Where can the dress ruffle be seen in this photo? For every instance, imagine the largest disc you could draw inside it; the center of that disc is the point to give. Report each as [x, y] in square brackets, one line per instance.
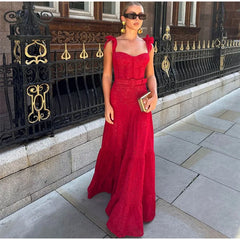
[149, 41]
[111, 38]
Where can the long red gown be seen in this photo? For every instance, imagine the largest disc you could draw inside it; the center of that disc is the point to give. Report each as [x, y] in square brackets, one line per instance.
[125, 165]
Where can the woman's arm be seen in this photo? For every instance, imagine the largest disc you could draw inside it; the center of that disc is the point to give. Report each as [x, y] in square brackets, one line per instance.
[107, 82]
[151, 103]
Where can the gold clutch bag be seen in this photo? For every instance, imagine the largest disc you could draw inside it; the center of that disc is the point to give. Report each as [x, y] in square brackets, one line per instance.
[140, 101]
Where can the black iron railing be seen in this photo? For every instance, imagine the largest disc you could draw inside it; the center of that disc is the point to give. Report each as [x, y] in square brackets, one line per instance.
[77, 89]
[41, 91]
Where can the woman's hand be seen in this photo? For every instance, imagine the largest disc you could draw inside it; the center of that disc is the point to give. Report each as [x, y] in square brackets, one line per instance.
[109, 113]
[150, 103]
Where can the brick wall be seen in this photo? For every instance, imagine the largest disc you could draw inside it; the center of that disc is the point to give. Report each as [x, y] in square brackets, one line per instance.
[148, 24]
[205, 23]
[232, 19]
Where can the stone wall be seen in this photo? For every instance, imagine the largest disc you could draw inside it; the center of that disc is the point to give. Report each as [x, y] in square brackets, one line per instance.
[28, 172]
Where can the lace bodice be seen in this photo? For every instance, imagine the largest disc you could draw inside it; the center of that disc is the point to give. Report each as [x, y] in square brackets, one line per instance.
[126, 66]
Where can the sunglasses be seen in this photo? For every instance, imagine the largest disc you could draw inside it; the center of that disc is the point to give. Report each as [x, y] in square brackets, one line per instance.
[141, 16]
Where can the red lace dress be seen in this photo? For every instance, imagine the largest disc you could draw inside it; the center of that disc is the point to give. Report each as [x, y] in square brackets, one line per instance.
[125, 165]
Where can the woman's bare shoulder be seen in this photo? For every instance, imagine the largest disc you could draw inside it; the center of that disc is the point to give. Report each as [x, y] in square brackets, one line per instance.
[120, 37]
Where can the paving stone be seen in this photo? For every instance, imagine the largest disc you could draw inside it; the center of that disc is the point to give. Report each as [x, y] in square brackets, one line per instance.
[233, 97]
[234, 131]
[214, 109]
[14, 207]
[172, 148]
[231, 116]
[76, 193]
[170, 222]
[171, 179]
[230, 101]
[211, 123]
[49, 217]
[215, 166]
[187, 132]
[232, 107]
[213, 204]
[224, 144]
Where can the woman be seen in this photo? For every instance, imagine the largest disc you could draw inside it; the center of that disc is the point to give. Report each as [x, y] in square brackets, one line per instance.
[126, 162]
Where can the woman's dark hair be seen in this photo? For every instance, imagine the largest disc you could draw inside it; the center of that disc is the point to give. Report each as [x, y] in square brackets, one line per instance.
[131, 4]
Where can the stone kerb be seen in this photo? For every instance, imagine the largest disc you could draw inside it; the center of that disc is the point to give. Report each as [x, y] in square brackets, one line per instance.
[29, 172]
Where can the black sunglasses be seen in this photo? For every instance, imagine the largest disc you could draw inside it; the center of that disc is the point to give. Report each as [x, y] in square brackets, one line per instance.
[141, 16]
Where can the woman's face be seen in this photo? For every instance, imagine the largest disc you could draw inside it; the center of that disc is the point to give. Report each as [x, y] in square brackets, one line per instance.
[133, 24]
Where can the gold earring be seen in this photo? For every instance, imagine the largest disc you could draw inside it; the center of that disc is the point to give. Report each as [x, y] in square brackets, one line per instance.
[140, 31]
[123, 30]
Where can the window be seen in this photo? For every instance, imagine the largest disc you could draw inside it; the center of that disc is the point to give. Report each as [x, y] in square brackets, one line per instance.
[193, 14]
[111, 11]
[82, 6]
[83, 10]
[109, 7]
[47, 6]
[171, 16]
[44, 4]
[106, 11]
[185, 14]
[181, 13]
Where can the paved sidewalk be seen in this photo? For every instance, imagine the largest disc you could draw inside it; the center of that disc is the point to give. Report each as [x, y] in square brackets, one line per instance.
[197, 186]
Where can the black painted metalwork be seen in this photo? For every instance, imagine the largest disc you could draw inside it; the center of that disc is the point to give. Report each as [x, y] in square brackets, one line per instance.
[77, 91]
[30, 45]
[157, 22]
[160, 16]
[164, 17]
[218, 21]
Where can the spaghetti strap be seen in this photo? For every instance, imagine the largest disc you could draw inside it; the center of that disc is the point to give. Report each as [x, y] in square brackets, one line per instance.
[149, 41]
[114, 42]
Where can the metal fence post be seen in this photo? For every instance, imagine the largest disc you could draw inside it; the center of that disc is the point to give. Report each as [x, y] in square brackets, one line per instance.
[220, 35]
[30, 46]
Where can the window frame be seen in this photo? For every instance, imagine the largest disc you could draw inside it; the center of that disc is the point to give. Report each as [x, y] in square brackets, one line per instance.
[171, 14]
[182, 21]
[193, 23]
[54, 10]
[112, 17]
[83, 14]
